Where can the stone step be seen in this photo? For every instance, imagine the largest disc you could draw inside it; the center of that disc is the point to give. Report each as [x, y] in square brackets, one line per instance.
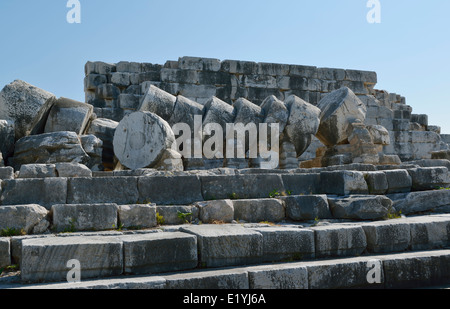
[44, 258]
[185, 188]
[389, 271]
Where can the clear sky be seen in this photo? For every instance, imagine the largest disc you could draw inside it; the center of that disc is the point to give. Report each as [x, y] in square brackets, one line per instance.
[409, 49]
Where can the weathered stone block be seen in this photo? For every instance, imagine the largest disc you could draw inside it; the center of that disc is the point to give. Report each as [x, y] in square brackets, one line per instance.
[37, 171]
[287, 243]
[387, 236]
[159, 252]
[199, 64]
[5, 252]
[119, 190]
[22, 217]
[376, 182]
[84, 217]
[137, 216]
[239, 67]
[45, 259]
[430, 232]
[120, 79]
[68, 115]
[339, 240]
[307, 207]
[420, 201]
[159, 102]
[257, 210]
[278, 277]
[129, 101]
[343, 183]
[166, 190]
[429, 178]
[72, 170]
[6, 172]
[302, 183]
[418, 269]
[240, 186]
[21, 102]
[170, 214]
[339, 109]
[45, 192]
[49, 148]
[219, 210]
[7, 138]
[399, 181]
[212, 279]
[92, 81]
[360, 207]
[226, 245]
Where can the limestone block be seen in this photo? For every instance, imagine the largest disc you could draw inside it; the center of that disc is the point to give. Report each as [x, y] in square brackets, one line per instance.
[302, 124]
[302, 183]
[180, 76]
[7, 138]
[226, 245]
[170, 190]
[387, 236]
[141, 139]
[421, 119]
[171, 160]
[360, 207]
[363, 76]
[92, 81]
[339, 240]
[20, 102]
[219, 210]
[119, 190]
[129, 101]
[158, 102]
[37, 171]
[45, 191]
[72, 170]
[377, 182]
[415, 202]
[159, 252]
[429, 178]
[84, 217]
[130, 67]
[199, 64]
[258, 210]
[286, 243]
[6, 172]
[343, 182]
[307, 207]
[281, 277]
[339, 109]
[401, 272]
[331, 74]
[68, 115]
[45, 259]
[5, 252]
[49, 148]
[380, 134]
[142, 216]
[304, 71]
[121, 79]
[399, 181]
[22, 217]
[170, 214]
[429, 232]
[259, 81]
[104, 129]
[210, 279]
[107, 91]
[239, 67]
[240, 186]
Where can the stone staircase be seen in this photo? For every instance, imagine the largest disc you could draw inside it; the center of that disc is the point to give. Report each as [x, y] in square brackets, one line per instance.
[234, 229]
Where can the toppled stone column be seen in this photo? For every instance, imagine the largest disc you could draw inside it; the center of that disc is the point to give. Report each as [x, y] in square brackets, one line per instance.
[49, 148]
[339, 109]
[68, 115]
[20, 102]
[141, 139]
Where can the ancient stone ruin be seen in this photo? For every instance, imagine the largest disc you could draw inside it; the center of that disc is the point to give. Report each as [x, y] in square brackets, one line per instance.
[261, 175]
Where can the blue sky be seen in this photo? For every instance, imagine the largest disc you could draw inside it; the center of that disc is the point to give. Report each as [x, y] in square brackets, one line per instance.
[409, 49]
